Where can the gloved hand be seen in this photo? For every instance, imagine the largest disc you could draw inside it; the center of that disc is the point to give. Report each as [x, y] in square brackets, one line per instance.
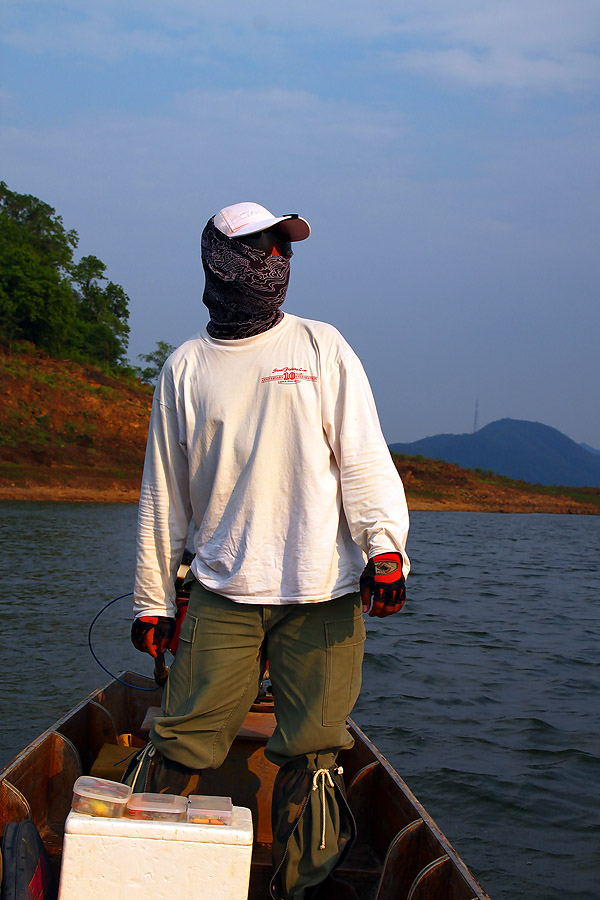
[152, 634]
[383, 581]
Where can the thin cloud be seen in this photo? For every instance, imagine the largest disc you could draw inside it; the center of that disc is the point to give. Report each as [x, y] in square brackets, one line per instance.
[261, 116]
[99, 39]
[274, 122]
[481, 68]
[534, 44]
[549, 45]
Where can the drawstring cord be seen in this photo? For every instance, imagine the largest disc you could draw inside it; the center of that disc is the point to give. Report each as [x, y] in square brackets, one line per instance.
[323, 774]
[149, 750]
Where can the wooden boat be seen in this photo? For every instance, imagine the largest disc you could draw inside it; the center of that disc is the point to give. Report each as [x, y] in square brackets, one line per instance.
[400, 853]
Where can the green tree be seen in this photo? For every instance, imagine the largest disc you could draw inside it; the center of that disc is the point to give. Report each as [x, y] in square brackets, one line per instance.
[85, 275]
[103, 312]
[45, 297]
[43, 229]
[155, 360]
[36, 253]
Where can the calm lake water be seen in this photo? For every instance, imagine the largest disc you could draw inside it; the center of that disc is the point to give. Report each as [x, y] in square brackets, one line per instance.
[484, 693]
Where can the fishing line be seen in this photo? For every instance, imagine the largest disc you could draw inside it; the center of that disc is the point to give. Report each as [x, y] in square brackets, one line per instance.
[102, 666]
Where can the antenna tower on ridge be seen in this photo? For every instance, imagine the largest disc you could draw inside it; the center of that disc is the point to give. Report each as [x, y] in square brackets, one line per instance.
[475, 420]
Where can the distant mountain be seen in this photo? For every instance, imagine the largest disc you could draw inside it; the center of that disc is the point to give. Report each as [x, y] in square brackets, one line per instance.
[590, 449]
[523, 450]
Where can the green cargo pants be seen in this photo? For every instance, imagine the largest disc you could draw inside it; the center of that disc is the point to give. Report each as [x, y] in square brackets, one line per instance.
[315, 655]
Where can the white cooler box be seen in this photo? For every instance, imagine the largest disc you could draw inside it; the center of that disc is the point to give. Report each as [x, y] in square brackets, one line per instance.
[125, 859]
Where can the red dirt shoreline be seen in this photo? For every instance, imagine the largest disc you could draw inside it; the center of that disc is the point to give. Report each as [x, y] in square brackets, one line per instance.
[127, 491]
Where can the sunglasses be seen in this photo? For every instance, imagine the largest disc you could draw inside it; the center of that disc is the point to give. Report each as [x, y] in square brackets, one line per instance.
[271, 241]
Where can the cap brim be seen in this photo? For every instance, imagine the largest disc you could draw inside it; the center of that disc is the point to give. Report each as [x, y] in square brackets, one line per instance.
[294, 226]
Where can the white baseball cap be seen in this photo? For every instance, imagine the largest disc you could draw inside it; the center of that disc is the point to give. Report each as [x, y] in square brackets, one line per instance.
[247, 218]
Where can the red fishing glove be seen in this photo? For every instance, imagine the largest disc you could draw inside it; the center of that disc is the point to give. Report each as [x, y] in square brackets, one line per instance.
[383, 582]
[152, 634]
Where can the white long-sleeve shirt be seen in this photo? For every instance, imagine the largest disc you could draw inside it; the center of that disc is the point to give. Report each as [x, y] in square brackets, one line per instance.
[272, 444]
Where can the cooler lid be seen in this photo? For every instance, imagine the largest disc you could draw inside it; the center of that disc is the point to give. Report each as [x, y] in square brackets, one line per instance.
[238, 833]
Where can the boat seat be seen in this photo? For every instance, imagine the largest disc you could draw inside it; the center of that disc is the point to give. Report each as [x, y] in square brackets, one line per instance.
[88, 729]
[151, 714]
[45, 780]
[438, 880]
[13, 805]
[403, 861]
[258, 725]
[407, 876]
[360, 790]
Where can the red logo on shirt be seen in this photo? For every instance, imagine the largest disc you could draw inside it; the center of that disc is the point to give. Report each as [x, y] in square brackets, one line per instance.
[289, 375]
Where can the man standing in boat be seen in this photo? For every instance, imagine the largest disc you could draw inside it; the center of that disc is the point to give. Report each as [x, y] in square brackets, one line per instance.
[265, 432]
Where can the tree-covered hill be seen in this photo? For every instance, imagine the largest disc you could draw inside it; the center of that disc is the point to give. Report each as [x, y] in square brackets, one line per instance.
[67, 308]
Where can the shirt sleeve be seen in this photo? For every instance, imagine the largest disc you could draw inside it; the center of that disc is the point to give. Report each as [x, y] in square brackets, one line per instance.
[372, 491]
[165, 509]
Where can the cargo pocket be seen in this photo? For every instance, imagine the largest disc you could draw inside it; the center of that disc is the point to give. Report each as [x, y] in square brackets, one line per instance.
[344, 640]
[180, 682]
[188, 629]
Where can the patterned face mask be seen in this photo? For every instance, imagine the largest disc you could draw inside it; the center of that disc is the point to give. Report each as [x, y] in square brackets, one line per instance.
[244, 286]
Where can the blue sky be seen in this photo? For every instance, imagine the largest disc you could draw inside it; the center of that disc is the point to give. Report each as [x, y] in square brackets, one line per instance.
[447, 156]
